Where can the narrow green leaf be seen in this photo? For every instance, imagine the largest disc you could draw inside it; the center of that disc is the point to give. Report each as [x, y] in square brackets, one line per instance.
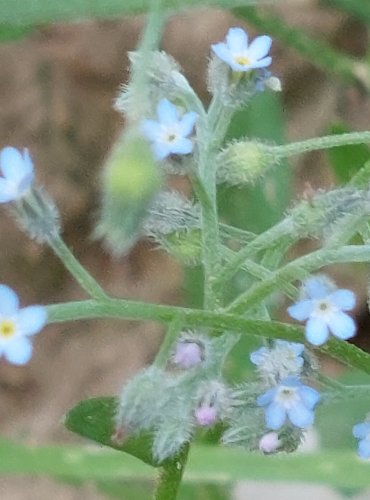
[94, 419]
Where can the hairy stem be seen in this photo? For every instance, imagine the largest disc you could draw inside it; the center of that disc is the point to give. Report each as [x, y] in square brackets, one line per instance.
[171, 476]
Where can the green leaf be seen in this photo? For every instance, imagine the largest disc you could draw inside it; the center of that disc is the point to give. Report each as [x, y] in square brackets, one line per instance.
[346, 161]
[94, 419]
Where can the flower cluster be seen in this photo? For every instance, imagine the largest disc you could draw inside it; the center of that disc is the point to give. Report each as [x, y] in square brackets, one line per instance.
[324, 308]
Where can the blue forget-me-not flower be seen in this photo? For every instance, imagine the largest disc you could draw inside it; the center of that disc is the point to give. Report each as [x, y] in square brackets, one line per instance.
[17, 171]
[362, 432]
[289, 399]
[17, 326]
[170, 134]
[323, 306]
[241, 56]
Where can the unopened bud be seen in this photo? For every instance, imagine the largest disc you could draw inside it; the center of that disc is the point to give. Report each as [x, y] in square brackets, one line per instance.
[269, 443]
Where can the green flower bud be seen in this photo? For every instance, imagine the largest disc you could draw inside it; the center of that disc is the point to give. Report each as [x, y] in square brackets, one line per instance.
[130, 183]
[245, 162]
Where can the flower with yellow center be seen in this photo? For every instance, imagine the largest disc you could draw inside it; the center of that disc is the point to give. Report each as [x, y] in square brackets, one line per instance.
[17, 326]
[241, 56]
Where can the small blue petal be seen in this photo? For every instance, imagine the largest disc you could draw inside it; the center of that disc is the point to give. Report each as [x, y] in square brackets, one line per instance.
[316, 288]
[291, 382]
[13, 165]
[260, 47]
[222, 52]
[151, 129]
[9, 301]
[257, 357]
[309, 396]
[181, 146]
[18, 351]
[167, 112]
[300, 416]
[237, 40]
[342, 325]
[266, 398]
[317, 331]
[262, 63]
[362, 430]
[301, 310]
[344, 299]
[275, 416]
[187, 123]
[364, 448]
[8, 191]
[161, 150]
[31, 319]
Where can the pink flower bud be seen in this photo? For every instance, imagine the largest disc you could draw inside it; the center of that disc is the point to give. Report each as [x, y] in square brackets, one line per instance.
[206, 415]
[187, 354]
[269, 442]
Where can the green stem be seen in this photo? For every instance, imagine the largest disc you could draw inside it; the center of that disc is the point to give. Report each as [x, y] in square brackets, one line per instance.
[296, 270]
[170, 338]
[131, 310]
[317, 143]
[85, 280]
[171, 476]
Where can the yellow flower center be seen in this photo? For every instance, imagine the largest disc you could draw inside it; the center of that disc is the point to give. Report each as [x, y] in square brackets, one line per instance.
[242, 60]
[7, 328]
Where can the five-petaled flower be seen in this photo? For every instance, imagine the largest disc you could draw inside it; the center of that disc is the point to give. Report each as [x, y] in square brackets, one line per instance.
[17, 171]
[279, 361]
[240, 56]
[289, 399]
[170, 134]
[322, 306]
[17, 325]
[362, 432]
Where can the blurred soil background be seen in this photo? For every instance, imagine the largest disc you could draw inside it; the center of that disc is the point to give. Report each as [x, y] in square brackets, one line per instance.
[57, 87]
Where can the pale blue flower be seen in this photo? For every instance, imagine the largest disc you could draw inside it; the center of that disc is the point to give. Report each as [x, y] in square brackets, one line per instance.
[322, 307]
[17, 171]
[241, 56]
[289, 399]
[170, 134]
[17, 326]
[362, 432]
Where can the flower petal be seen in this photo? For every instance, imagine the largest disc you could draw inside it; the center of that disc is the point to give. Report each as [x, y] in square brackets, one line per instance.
[262, 63]
[275, 416]
[309, 396]
[237, 40]
[301, 310]
[160, 150]
[266, 398]
[257, 357]
[360, 431]
[18, 351]
[342, 325]
[151, 129]
[7, 191]
[260, 47]
[187, 123]
[167, 112]
[364, 448]
[9, 302]
[317, 331]
[316, 287]
[222, 52]
[344, 299]
[13, 165]
[181, 146]
[300, 416]
[31, 319]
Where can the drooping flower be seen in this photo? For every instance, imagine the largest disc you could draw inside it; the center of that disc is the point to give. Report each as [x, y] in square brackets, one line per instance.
[17, 326]
[17, 174]
[289, 399]
[362, 432]
[280, 361]
[188, 354]
[170, 133]
[241, 56]
[322, 306]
